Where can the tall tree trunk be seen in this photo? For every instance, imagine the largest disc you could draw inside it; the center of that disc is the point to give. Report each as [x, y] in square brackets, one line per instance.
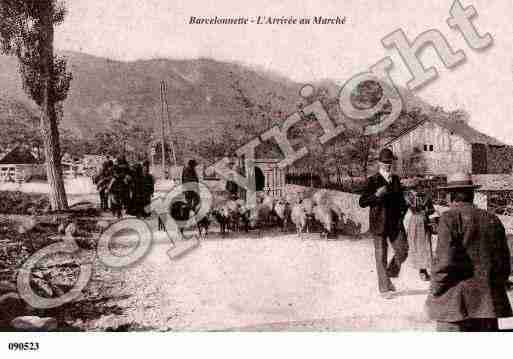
[367, 151]
[49, 129]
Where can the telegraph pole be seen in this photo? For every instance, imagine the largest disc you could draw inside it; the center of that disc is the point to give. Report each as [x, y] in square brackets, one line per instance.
[163, 139]
[169, 122]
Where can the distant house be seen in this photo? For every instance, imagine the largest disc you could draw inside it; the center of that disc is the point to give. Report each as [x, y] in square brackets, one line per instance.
[19, 165]
[495, 192]
[438, 147]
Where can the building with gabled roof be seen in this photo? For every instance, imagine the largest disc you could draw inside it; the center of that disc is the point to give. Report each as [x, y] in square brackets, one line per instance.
[19, 165]
[438, 146]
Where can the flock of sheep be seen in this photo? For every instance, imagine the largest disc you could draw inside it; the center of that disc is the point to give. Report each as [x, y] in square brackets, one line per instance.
[320, 212]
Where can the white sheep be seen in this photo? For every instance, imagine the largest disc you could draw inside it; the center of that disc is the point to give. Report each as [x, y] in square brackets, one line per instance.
[321, 197]
[324, 216]
[298, 217]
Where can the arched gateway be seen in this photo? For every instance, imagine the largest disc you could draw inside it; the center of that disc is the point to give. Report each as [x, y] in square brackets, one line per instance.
[268, 177]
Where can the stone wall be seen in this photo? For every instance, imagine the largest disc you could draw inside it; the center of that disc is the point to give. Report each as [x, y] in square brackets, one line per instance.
[499, 159]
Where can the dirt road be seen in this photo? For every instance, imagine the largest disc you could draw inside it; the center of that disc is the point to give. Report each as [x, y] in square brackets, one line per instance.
[270, 283]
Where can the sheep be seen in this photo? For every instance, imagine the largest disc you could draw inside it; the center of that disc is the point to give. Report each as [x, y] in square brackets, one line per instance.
[299, 218]
[244, 217]
[283, 211]
[337, 207]
[204, 223]
[222, 216]
[325, 198]
[232, 211]
[320, 197]
[307, 204]
[271, 217]
[262, 212]
[324, 215]
[268, 201]
[256, 217]
[291, 198]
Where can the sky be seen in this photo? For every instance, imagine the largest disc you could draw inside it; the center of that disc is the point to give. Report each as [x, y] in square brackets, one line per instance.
[141, 29]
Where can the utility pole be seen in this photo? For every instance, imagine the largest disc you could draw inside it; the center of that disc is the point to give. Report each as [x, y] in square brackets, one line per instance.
[163, 139]
[169, 122]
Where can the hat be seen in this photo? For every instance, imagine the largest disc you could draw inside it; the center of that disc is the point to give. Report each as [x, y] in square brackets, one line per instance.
[192, 163]
[386, 156]
[459, 180]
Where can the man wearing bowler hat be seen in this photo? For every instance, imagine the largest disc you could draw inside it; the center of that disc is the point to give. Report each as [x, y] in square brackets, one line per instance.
[471, 266]
[384, 195]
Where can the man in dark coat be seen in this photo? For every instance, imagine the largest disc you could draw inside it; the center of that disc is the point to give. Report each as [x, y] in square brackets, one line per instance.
[384, 195]
[148, 186]
[102, 181]
[133, 179]
[138, 199]
[190, 176]
[232, 188]
[471, 266]
[117, 191]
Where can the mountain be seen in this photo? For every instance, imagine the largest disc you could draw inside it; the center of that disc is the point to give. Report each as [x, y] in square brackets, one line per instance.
[18, 124]
[200, 92]
[205, 96]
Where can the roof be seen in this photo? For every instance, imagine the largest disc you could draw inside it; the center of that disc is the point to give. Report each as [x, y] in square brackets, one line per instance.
[494, 182]
[19, 155]
[460, 128]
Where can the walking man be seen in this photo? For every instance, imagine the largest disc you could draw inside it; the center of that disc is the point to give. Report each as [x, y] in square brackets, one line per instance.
[471, 266]
[384, 195]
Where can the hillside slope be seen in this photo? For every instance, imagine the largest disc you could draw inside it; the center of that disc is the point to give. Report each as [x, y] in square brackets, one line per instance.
[200, 92]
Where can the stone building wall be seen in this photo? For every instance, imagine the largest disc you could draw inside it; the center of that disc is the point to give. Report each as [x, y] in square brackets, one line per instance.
[445, 152]
[499, 159]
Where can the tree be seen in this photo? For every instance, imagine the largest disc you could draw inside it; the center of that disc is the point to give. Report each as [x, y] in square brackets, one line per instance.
[122, 138]
[350, 152]
[459, 115]
[27, 31]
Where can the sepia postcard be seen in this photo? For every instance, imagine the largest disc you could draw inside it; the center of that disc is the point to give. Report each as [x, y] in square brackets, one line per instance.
[271, 166]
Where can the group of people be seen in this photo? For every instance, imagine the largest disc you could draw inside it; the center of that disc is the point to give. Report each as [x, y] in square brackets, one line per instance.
[125, 188]
[469, 269]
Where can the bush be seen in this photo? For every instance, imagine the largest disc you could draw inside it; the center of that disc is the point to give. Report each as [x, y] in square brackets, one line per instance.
[23, 203]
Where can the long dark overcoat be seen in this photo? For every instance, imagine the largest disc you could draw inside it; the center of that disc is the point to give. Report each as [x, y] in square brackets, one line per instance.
[386, 212]
[471, 266]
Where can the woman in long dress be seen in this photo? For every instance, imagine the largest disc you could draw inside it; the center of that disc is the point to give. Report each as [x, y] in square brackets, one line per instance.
[420, 207]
